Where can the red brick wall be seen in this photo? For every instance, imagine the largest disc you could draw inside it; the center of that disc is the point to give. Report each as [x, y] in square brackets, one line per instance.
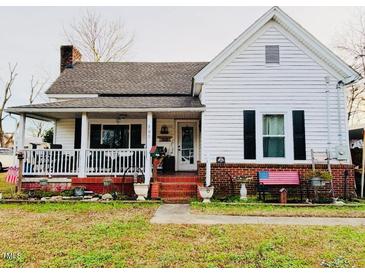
[221, 180]
[89, 183]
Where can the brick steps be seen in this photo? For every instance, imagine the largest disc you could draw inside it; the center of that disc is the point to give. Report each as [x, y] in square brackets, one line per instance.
[177, 200]
[178, 192]
[178, 179]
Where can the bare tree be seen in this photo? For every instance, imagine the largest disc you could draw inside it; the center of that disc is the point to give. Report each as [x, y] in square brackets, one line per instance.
[98, 39]
[7, 93]
[36, 89]
[351, 45]
[38, 128]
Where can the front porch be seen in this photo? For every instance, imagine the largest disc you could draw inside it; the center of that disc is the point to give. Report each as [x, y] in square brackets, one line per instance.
[91, 146]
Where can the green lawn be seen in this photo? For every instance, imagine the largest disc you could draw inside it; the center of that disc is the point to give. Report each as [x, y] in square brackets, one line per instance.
[240, 209]
[120, 235]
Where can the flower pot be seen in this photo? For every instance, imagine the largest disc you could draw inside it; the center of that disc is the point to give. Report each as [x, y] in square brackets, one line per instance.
[206, 192]
[316, 181]
[243, 192]
[79, 191]
[141, 191]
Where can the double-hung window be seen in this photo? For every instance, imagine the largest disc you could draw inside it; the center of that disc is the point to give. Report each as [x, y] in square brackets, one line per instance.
[273, 134]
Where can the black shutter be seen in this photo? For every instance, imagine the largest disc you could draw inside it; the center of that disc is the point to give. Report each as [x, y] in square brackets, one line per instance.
[95, 136]
[299, 135]
[77, 139]
[249, 134]
[136, 135]
[154, 135]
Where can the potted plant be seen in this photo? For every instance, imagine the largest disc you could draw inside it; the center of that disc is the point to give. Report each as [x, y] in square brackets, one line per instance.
[318, 178]
[206, 192]
[79, 191]
[141, 190]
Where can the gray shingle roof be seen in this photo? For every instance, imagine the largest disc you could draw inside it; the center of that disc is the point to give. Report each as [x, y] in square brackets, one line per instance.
[118, 102]
[169, 78]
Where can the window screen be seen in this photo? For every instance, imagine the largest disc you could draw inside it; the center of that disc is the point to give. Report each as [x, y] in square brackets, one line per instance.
[272, 54]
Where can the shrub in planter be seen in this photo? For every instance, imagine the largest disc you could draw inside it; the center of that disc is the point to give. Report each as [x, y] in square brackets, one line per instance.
[318, 177]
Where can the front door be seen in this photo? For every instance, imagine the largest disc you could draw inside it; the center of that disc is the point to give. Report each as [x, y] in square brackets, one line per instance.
[187, 146]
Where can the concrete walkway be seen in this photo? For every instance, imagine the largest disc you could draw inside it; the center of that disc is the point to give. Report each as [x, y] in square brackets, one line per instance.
[180, 214]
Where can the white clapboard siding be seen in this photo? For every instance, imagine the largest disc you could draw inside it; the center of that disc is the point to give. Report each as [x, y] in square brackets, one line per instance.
[246, 82]
[65, 133]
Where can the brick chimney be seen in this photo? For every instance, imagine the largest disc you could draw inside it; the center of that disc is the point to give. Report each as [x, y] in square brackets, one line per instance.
[69, 56]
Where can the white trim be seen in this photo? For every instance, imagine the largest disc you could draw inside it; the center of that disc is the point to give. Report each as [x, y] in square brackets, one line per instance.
[22, 121]
[196, 141]
[71, 96]
[288, 130]
[17, 110]
[149, 141]
[50, 180]
[84, 144]
[277, 15]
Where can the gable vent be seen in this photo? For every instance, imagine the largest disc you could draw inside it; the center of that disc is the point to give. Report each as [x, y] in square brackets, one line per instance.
[272, 54]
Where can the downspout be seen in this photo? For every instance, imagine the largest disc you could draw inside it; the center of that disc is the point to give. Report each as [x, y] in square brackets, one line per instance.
[339, 88]
[327, 79]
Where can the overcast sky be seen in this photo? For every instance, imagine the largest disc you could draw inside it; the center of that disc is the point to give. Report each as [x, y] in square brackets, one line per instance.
[31, 36]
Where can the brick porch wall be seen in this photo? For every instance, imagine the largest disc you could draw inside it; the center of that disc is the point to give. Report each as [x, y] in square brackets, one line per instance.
[89, 183]
[221, 180]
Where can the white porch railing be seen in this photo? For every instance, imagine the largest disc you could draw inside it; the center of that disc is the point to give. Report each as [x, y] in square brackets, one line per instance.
[49, 162]
[115, 161]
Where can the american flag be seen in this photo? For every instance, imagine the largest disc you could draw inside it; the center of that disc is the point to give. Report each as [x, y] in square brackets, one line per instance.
[279, 178]
[12, 175]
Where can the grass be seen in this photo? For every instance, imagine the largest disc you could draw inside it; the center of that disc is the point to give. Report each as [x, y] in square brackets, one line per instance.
[244, 209]
[120, 235]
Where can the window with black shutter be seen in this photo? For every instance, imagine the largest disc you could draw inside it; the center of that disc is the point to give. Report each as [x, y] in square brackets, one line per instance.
[249, 134]
[77, 139]
[136, 136]
[299, 135]
[95, 136]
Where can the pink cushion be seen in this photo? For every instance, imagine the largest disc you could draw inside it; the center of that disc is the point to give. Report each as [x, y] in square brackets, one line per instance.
[279, 178]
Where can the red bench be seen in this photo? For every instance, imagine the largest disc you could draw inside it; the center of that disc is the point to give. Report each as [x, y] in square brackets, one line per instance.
[277, 178]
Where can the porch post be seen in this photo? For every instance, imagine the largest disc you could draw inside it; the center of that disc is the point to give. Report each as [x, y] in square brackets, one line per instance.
[84, 136]
[21, 137]
[148, 166]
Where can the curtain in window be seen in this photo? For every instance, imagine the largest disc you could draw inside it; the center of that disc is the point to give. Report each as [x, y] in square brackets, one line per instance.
[273, 124]
[274, 144]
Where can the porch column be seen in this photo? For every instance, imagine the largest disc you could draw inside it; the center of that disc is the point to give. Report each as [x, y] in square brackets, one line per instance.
[21, 137]
[148, 167]
[83, 147]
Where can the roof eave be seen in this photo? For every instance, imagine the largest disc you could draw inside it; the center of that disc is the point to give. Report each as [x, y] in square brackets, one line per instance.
[20, 110]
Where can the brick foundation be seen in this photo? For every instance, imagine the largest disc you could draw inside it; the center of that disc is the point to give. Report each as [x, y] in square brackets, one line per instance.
[220, 176]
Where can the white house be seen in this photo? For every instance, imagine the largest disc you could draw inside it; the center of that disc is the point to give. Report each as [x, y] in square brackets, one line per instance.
[269, 98]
